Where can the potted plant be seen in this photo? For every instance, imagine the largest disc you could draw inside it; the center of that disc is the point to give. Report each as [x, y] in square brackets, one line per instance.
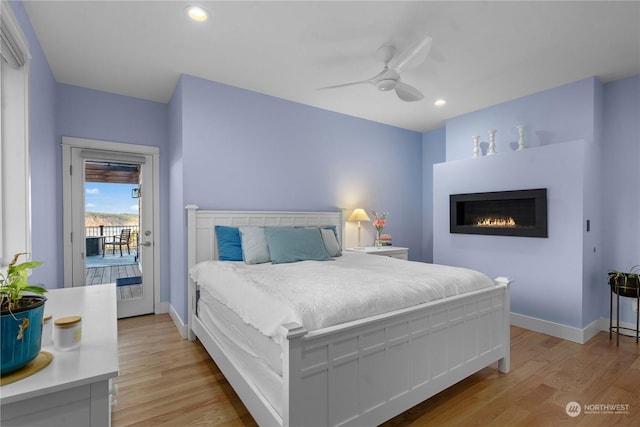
[626, 284]
[22, 309]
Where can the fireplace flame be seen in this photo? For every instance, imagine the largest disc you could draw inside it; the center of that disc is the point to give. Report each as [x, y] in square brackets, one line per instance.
[496, 222]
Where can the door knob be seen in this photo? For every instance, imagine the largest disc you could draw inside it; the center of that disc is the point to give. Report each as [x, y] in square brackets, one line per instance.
[146, 244]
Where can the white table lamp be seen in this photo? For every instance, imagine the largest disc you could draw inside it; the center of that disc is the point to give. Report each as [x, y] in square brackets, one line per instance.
[359, 215]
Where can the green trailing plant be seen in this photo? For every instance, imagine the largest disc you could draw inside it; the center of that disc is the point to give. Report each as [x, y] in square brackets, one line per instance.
[626, 281]
[14, 284]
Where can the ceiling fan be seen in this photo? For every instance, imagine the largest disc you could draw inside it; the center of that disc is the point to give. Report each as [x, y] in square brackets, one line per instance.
[389, 78]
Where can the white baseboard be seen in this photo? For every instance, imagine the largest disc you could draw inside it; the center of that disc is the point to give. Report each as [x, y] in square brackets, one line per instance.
[558, 330]
[182, 328]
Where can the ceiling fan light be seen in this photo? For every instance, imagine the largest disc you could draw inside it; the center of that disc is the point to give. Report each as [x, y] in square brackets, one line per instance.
[197, 13]
[386, 84]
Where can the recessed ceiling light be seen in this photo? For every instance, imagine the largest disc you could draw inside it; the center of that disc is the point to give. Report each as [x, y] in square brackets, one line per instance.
[197, 13]
[439, 102]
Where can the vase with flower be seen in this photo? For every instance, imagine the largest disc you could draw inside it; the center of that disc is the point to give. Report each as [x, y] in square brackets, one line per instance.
[379, 223]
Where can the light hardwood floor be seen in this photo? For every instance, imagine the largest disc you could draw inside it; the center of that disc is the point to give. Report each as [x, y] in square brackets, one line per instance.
[167, 381]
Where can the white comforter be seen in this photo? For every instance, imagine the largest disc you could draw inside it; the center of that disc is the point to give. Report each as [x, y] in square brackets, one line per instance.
[318, 294]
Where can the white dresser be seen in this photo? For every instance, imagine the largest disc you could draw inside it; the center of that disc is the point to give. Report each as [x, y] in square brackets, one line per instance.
[392, 251]
[74, 390]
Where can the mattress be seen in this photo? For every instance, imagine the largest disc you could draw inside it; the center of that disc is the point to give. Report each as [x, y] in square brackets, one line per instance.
[319, 294]
[247, 338]
[257, 357]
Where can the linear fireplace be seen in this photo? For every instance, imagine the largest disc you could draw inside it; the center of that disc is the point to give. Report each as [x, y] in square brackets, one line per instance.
[503, 213]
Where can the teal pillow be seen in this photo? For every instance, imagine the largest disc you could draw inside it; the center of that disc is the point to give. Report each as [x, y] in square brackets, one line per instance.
[254, 245]
[229, 246]
[293, 244]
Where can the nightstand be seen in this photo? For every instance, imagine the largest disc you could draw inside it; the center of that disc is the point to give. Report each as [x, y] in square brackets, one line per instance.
[391, 251]
[74, 390]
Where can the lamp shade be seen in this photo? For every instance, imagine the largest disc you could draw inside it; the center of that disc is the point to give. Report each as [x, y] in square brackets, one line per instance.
[359, 215]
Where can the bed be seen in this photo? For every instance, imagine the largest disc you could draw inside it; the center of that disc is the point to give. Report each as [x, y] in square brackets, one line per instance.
[358, 372]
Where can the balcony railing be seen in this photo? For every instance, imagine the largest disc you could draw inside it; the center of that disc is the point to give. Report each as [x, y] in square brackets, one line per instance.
[109, 230]
[97, 237]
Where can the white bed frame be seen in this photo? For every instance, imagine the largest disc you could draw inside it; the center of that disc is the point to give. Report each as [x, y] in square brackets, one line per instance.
[367, 371]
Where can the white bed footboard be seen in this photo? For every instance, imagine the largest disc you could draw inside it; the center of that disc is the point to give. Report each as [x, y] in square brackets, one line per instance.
[364, 372]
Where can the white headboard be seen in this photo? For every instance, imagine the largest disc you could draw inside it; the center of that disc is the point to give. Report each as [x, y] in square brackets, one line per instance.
[202, 224]
[201, 241]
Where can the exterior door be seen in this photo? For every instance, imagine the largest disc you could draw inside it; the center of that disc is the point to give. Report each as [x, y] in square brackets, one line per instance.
[94, 254]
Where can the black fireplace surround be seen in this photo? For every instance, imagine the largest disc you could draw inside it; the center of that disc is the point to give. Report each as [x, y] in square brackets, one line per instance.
[503, 213]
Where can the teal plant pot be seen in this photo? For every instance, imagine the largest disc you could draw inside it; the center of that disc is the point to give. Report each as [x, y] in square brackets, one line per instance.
[21, 335]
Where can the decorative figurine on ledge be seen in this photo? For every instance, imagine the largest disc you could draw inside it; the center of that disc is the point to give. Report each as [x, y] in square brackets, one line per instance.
[492, 142]
[521, 145]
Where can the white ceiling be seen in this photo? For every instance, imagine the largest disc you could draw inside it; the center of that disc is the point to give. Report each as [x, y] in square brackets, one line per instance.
[483, 52]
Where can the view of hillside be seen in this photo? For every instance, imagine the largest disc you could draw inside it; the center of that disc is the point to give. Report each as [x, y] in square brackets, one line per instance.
[93, 219]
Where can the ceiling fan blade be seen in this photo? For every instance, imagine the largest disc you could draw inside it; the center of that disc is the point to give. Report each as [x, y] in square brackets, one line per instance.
[408, 93]
[372, 81]
[413, 56]
[346, 84]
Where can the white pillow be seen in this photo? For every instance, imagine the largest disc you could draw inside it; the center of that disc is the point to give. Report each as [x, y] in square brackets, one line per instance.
[330, 242]
[254, 245]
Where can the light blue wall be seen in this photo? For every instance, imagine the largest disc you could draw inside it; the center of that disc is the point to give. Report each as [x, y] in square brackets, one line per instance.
[88, 113]
[594, 288]
[565, 113]
[244, 150]
[177, 225]
[262, 152]
[621, 201]
[433, 152]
